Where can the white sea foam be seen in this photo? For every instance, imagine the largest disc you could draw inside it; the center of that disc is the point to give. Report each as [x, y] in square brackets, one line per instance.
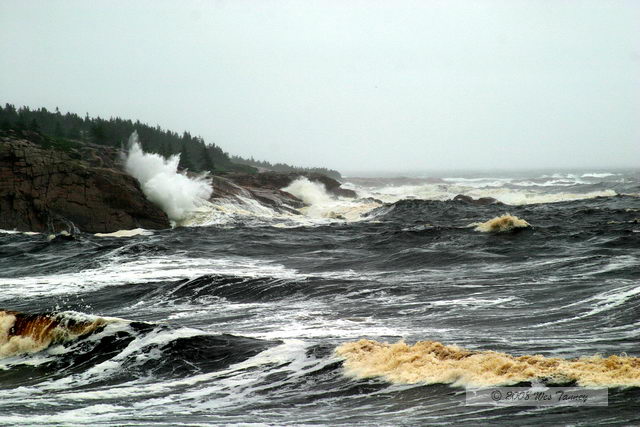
[447, 191]
[242, 209]
[324, 206]
[597, 175]
[312, 193]
[27, 233]
[176, 193]
[121, 271]
[126, 233]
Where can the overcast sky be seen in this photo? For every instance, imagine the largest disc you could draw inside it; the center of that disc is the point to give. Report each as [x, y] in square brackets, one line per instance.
[357, 86]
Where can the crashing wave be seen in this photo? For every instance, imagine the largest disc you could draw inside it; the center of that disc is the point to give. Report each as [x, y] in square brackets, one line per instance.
[177, 194]
[29, 333]
[322, 205]
[502, 224]
[432, 362]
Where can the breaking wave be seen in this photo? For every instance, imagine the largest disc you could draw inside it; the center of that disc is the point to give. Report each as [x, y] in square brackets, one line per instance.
[502, 224]
[312, 193]
[177, 194]
[432, 362]
[29, 333]
[509, 191]
[321, 205]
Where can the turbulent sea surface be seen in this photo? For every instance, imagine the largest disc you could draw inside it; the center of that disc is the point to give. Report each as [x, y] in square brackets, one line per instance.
[236, 317]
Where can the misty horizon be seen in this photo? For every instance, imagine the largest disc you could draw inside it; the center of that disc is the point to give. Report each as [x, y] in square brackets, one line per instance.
[411, 88]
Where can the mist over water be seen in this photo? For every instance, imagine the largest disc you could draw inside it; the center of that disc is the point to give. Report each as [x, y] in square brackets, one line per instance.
[176, 193]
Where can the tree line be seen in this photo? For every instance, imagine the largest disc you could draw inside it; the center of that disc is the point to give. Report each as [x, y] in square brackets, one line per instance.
[195, 154]
[283, 167]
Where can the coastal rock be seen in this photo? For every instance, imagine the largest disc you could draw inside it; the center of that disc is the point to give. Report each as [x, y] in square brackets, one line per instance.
[481, 201]
[277, 199]
[50, 190]
[278, 180]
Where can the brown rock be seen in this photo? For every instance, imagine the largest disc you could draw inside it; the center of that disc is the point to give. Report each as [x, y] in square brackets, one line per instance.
[49, 190]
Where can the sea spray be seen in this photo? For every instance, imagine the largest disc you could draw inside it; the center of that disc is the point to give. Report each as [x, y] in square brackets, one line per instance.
[321, 205]
[176, 193]
[312, 193]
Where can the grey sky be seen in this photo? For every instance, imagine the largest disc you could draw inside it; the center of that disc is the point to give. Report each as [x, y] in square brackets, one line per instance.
[371, 85]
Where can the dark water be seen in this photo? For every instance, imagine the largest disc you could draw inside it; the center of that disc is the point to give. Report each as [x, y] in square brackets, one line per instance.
[234, 323]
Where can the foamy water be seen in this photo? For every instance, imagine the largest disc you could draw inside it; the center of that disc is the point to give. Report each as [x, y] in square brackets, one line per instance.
[250, 315]
[502, 224]
[432, 362]
[21, 333]
[533, 189]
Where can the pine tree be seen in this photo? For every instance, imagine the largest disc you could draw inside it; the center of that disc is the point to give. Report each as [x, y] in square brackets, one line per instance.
[185, 158]
[57, 131]
[207, 161]
[97, 133]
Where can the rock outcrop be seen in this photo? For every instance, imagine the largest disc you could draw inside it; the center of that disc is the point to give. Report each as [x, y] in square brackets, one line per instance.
[278, 180]
[266, 188]
[481, 201]
[225, 188]
[51, 190]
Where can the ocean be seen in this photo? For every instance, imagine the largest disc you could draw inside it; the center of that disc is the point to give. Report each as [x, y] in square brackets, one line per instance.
[383, 310]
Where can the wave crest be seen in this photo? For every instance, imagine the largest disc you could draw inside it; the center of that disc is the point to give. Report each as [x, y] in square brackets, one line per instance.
[29, 333]
[502, 224]
[432, 362]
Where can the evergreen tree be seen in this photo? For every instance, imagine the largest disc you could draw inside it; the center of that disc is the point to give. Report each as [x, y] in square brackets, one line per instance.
[185, 159]
[57, 131]
[207, 161]
[97, 133]
[195, 154]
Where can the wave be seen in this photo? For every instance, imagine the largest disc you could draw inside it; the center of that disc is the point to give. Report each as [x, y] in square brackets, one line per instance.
[502, 224]
[432, 362]
[34, 347]
[508, 191]
[597, 175]
[177, 194]
[322, 208]
[29, 333]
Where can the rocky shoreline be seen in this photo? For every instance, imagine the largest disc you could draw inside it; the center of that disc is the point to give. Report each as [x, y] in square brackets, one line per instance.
[53, 190]
[84, 188]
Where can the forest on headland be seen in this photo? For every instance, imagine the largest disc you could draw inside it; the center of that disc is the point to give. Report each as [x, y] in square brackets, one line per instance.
[196, 155]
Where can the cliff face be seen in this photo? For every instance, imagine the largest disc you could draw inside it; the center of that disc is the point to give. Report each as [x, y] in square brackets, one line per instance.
[52, 190]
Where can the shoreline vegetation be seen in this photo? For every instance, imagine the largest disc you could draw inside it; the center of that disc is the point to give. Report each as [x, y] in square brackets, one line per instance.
[69, 130]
